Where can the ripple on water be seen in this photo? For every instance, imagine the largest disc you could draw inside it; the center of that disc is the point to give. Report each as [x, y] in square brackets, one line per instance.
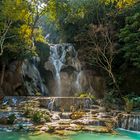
[122, 135]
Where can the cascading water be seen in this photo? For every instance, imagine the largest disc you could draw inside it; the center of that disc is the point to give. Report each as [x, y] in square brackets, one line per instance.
[129, 122]
[78, 82]
[61, 56]
[57, 60]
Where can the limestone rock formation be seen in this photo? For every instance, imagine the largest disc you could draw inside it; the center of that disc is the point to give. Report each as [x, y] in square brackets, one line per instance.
[68, 75]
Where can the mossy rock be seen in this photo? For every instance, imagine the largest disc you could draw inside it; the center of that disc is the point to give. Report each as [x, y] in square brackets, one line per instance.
[64, 132]
[77, 115]
[4, 120]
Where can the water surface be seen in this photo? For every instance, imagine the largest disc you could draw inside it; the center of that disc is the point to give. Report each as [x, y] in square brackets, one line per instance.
[123, 135]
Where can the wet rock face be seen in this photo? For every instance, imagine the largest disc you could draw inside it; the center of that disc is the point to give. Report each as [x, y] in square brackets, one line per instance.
[22, 78]
[69, 76]
[32, 79]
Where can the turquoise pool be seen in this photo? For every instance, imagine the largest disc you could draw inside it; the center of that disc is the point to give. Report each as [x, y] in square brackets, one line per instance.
[123, 135]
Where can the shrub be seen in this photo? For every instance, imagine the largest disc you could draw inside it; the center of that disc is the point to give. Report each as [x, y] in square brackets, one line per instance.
[136, 102]
[84, 95]
[109, 100]
[27, 112]
[11, 119]
[36, 118]
[128, 104]
[47, 118]
[31, 109]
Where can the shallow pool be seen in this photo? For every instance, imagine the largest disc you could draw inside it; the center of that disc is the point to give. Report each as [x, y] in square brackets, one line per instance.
[123, 135]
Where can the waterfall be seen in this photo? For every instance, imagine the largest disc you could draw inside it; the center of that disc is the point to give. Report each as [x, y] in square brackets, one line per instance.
[79, 88]
[51, 104]
[129, 122]
[61, 56]
[57, 60]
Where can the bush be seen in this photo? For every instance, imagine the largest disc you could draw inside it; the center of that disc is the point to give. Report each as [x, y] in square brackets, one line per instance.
[47, 118]
[85, 95]
[40, 117]
[128, 104]
[27, 112]
[31, 109]
[11, 119]
[36, 118]
[109, 100]
[136, 102]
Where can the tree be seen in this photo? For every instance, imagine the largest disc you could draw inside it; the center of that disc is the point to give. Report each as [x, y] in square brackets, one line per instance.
[37, 9]
[130, 39]
[19, 30]
[6, 21]
[102, 48]
[121, 4]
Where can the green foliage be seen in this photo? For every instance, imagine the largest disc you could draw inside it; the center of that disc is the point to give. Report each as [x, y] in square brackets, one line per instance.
[28, 107]
[121, 3]
[136, 102]
[36, 118]
[72, 17]
[11, 118]
[18, 28]
[43, 51]
[130, 36]
[85, 95]
[38, 94]
[128, 105]
[31, 110]
[47, 118]
[135, 99]
[111, 100]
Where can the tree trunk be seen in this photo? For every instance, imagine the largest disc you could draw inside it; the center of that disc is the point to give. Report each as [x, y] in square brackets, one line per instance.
[114, 82]
[18, 67]
[2, 74]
